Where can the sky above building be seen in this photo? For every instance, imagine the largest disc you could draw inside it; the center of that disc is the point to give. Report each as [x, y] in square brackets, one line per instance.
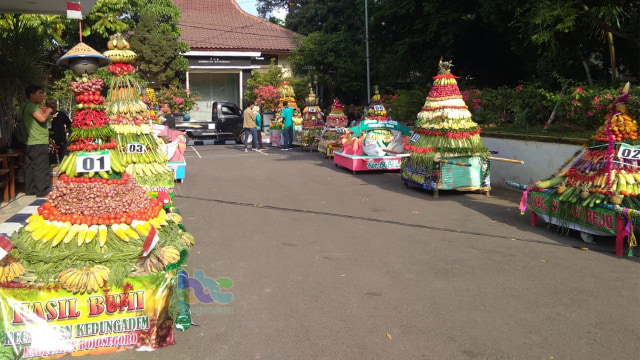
[250, 7]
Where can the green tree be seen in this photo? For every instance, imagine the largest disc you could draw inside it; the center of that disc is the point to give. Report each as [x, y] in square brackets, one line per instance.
[593, 25]
[329, 16]
[22, 63]
[334, 62]
[266, 7]
[155, 40]
[272, 77]
[106, 18]
[332, 56]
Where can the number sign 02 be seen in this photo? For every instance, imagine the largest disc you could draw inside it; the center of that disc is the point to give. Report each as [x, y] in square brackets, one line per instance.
[136, 148]
[629, 152]
[93, 161]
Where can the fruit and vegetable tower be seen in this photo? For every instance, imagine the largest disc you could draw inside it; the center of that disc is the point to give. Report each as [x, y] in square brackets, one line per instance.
[93, 270]
[600, 182]
[287, 94]
[446, 149]
[330, 140]
[138, 149]
[312, 123]
[336, 117]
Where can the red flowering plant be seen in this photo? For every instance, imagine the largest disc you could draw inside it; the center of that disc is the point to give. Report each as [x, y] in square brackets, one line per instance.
[267, 97]
[473, 100]
[586, 106]
[178, 99]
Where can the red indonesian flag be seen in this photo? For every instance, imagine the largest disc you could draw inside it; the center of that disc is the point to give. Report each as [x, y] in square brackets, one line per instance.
[150, 241]
[5, 246]
[74, 10]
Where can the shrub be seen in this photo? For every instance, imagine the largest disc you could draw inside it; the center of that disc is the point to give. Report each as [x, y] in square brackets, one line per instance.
[405, 106]
[581, 107]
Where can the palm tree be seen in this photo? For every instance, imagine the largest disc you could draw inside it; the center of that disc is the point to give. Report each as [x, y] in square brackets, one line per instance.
[21, 54]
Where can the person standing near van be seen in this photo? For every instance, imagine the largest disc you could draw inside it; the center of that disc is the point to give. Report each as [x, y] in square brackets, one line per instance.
[37, 180]
[287, 132]
[249, 125]
[256, 110]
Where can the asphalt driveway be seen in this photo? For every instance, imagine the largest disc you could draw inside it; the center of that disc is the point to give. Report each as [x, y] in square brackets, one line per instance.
[326, 264]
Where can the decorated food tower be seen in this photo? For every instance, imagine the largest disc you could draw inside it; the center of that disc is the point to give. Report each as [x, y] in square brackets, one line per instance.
[375, 143]
[312, 123]
[596, 190]
[337, 117]
[330, 139]
[138, 149]
[287, 94]
[446, 150]
[94, 269]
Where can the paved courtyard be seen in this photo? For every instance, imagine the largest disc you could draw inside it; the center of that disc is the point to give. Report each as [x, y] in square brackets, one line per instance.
[326, 264]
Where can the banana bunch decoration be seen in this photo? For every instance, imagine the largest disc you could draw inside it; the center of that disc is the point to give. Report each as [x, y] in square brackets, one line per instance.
[156, 263]
[10, 269]
[89, 279]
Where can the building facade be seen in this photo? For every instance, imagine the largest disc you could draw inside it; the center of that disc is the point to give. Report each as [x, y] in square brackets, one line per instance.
[227, 44]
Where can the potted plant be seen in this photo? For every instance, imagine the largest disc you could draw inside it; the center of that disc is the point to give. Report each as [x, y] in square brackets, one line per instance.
[177, 99]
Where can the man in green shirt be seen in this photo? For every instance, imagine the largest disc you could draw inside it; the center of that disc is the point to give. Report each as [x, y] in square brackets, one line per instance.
[37, 180]
[287, 131]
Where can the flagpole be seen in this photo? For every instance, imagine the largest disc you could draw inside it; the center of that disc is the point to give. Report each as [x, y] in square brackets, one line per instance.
[74, 11]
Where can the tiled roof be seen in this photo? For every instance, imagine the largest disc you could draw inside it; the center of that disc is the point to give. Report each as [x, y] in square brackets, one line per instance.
[221, 25]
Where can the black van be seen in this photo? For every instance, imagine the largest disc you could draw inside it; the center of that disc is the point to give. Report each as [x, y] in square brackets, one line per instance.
[225, 124]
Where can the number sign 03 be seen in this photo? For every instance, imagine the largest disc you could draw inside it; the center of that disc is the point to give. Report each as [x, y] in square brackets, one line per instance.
[629, 152]
[136, 148]
[93, 161]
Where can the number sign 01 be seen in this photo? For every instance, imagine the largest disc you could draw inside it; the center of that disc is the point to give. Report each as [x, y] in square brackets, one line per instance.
[136, 148]
[93, 161]
[629, 152]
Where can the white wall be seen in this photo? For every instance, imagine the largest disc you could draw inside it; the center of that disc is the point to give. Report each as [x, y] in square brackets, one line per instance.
[541, 160]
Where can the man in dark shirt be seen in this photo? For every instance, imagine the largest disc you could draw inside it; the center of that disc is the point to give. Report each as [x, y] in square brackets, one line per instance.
[60, 128]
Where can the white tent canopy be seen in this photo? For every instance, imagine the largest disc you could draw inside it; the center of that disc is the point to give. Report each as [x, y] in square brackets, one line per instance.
[53, 7]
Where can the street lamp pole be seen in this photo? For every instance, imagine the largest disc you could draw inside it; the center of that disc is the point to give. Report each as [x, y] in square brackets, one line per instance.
[366, 37]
